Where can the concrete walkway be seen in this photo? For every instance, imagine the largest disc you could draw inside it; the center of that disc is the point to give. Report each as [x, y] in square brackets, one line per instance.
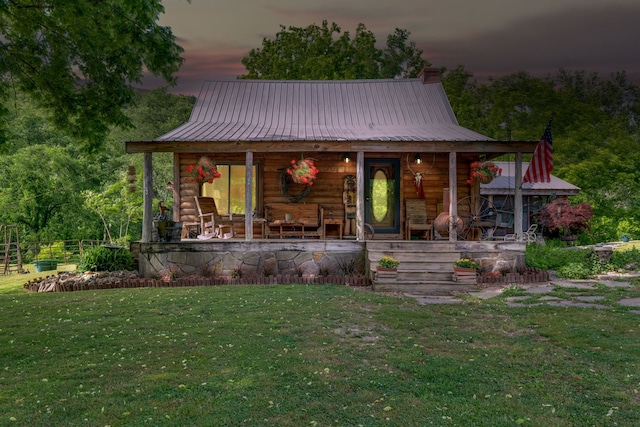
[584, 301]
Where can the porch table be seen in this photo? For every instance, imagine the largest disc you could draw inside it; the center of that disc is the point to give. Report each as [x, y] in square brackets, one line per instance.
[332, 222]
[290, 227]
[239, 221]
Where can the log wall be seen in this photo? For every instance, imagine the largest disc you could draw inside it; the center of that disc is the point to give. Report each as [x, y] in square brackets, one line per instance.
[327, 190]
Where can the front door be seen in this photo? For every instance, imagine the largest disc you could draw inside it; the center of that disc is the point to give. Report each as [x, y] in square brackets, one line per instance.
[382, 195]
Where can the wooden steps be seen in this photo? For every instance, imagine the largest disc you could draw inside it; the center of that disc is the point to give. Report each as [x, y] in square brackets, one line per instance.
[426, 267]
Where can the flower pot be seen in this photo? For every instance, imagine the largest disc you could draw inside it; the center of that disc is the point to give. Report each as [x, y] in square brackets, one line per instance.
[465, 276]
[464, 270]
[485, 179]
[570, 239]
[45, 265]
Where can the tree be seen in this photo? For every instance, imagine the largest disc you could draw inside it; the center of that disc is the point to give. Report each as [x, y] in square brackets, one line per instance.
[561, 217]
[320, 53]
[78, 59]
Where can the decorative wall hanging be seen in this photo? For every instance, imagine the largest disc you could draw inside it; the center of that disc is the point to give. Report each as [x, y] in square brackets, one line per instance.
[303, 173]
[417, 176]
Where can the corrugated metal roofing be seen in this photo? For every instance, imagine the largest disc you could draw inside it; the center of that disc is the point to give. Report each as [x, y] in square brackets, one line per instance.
[334, 110]
[506, 183]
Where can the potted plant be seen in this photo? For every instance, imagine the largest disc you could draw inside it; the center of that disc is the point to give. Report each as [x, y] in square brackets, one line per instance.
[203, 171]
[303, 172]
[465, 265]
[465, 271]
[561, 219]
[483, 172]
[387, 263]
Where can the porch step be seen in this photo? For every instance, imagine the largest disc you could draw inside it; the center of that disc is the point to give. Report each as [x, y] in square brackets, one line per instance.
[426, 267]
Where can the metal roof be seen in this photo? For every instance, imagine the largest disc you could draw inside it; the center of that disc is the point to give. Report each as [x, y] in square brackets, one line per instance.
[505, 183]
[333, 110]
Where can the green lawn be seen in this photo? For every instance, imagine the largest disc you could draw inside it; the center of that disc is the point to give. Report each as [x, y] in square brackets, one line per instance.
[313, 355]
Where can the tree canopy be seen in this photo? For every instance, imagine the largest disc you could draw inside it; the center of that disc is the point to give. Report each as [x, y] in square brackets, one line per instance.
[596, 133]
[325, 53]
[78, 59]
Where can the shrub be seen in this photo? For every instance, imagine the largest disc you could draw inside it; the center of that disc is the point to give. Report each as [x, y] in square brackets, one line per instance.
[551, 256]
[574, 270]
[54, 250]
[105, 259]
[561, 217]
[622, 260]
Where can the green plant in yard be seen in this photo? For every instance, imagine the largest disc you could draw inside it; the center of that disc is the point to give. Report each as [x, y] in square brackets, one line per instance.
[55, 250]
[574, 271]
[101, 258]
[628, 259]
[236, 273]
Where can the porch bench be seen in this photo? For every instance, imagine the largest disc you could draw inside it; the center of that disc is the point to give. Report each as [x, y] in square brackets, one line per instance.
[309, 214]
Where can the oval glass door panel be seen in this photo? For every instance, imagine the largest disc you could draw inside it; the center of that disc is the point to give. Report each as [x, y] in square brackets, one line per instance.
[381, 199]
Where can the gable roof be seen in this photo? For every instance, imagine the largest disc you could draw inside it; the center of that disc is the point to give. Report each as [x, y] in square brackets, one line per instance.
[332, 110]
[505, 183]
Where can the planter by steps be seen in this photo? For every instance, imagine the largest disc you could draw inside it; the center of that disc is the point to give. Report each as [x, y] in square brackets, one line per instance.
[465, 275]
[386, 274]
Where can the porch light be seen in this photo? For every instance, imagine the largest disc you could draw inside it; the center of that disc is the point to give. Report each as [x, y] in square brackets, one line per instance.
[417, 159]
[346, 158]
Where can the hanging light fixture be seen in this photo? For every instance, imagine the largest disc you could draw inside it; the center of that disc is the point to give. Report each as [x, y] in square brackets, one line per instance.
[346, 158]
[417, 159]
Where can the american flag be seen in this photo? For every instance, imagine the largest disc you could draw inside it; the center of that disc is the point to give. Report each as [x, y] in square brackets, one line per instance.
[541, 164]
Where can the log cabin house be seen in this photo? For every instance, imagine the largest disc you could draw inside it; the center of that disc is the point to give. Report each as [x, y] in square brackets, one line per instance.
[377, 144]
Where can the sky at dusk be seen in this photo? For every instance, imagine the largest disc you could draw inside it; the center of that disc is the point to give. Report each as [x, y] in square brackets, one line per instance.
[488, 37]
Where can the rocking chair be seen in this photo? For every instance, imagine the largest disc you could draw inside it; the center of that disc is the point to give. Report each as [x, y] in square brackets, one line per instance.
[211, 224]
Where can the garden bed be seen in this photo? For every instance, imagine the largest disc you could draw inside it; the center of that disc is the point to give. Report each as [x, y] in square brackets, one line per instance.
[530, 275]
[72, 281]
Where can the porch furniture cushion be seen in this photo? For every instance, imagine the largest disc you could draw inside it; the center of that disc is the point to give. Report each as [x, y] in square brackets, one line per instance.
[211, 224]
[309, 214]
[416, 218]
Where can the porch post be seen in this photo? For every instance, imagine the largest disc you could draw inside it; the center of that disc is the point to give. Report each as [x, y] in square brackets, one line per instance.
[147, 201]
[453, 197]
[248, 199]
[360, 196]
[517, 202]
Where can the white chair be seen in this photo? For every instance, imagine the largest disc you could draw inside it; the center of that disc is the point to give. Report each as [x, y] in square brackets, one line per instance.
[528, 236]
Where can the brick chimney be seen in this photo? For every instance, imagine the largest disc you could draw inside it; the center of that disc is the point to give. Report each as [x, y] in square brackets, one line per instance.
[430, 75]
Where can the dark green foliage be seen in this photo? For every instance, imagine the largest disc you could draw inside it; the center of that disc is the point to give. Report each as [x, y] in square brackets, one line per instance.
[629, 259]
[551, 256]
[78, 59]
[596, 134]
[105, 259]
[321, 53]
[572, 263]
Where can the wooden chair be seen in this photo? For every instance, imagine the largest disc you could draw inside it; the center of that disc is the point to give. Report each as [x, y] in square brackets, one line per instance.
[416, 218]
[209, 217]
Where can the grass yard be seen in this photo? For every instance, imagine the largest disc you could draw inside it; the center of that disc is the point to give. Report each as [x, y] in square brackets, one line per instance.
[315, 355]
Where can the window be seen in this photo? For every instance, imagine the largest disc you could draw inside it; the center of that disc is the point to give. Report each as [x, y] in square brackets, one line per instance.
[228, 190]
